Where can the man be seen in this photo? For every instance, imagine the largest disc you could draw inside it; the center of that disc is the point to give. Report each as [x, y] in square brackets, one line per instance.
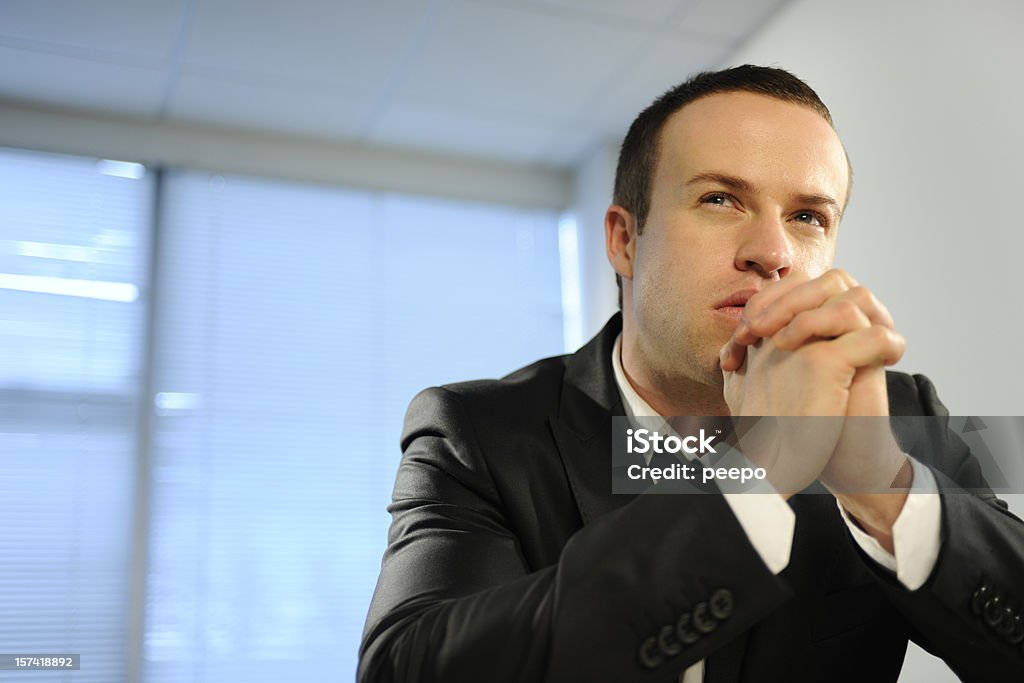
[510, 560]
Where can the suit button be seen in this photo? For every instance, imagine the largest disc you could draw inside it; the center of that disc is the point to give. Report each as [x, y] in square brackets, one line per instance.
[993, 612]
[667, 641]
[980, 597]
[703, 621]
[684, 631]
[1005, 627]
[648, 654]
[1015, 631]
[721, 604]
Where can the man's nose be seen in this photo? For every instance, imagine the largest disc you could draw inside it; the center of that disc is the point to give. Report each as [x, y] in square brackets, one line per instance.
[766, 249]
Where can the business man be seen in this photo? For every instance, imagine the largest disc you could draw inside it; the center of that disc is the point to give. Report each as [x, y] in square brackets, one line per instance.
[510, 560]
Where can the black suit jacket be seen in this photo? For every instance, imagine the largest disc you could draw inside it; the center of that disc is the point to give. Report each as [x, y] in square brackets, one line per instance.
[510, 560]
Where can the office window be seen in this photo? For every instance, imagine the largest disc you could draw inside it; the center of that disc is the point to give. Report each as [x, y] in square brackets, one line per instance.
[294, 324]
[73, 255]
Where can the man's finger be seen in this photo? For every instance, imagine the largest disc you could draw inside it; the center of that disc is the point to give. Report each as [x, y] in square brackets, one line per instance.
[762, 300]
[874, 309]
[732, 355]
[765, 321]
[834, 319]
[875, 345]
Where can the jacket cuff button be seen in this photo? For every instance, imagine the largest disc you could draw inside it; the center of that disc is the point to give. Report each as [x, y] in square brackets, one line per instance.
[648, 654]
[667, 642]
[721, 604]
[684, 632]
[980, 597]
[1007, 624]
[993, 611]
[702, 620]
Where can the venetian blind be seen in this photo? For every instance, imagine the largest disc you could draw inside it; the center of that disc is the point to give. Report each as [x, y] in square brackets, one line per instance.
[73, 250]
[295, 324]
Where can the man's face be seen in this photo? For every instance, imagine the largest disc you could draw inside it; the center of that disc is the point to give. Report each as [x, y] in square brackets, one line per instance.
[747, 190]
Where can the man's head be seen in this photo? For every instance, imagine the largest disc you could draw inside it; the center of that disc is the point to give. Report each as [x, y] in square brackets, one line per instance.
[639, 154]
[725, 183]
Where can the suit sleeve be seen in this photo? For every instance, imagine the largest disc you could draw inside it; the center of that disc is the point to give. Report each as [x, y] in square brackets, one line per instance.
[969, 611]
[638, 594]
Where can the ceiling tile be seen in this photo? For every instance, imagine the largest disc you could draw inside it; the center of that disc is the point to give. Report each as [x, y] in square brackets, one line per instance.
[335, 113]
[728, 18]
[490, 57]
[79, 83]
[650, 12]
[359, 44]
[666, 63]
[536, 81]
[459, 131]
[146, 29]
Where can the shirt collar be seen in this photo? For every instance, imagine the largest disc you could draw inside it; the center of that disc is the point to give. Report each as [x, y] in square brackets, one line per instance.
[631, 400]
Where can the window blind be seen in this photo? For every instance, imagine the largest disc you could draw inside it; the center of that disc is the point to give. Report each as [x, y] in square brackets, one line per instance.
[295, 324]
[73, 241]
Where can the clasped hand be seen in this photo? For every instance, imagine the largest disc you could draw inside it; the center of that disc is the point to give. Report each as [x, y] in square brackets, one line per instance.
[816, 347]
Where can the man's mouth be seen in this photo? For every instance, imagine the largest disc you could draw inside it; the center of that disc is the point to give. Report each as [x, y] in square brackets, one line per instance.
[737, 300]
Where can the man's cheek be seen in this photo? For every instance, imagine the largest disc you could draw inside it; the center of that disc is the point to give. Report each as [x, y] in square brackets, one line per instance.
[819, 260]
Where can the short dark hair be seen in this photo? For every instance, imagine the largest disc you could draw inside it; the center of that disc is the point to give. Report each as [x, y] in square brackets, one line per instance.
[639, 154]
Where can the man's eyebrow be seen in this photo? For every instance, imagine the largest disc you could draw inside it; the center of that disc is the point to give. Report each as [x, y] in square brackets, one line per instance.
[820, 200]
[732, 181]
[741, 185]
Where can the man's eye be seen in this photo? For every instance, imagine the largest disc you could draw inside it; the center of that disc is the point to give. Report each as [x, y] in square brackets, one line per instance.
[717, 199]
[810, 218]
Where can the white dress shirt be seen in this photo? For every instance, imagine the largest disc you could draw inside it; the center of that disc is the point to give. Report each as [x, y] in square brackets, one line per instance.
[769, 522]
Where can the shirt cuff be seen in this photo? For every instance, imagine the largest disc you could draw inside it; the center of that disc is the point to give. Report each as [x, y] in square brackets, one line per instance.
[916, 533]
[769, 523]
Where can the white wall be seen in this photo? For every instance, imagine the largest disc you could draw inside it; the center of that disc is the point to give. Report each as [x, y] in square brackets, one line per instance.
[926, 97]
[595, 178]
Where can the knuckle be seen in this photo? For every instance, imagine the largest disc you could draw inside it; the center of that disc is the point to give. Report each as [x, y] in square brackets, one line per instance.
[765, 323]
[755, 327]
[805, 323]
[880, 334]
[836, 280]
[848, 310]
[860, 294]
[866, 298]
[797, 329]
[839, 274]
[888, 340]
[755, 304]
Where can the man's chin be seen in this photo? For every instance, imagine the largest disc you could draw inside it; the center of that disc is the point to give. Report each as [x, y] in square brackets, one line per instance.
[708, 374]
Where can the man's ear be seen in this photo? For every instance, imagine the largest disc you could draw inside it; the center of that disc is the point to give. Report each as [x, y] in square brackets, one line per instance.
[620, 239]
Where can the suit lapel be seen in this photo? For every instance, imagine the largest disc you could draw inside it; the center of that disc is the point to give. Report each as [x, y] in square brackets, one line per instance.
[583, 433]
[583, 426]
